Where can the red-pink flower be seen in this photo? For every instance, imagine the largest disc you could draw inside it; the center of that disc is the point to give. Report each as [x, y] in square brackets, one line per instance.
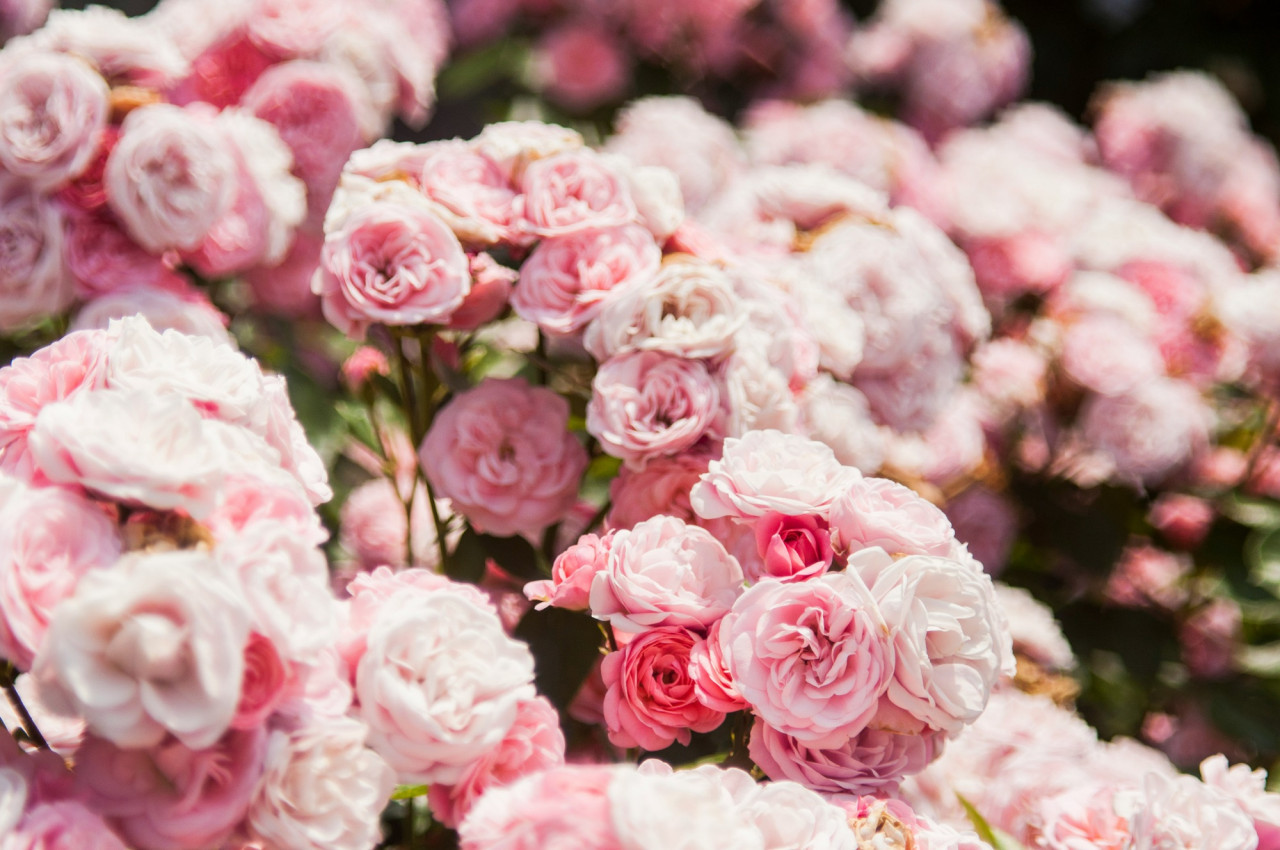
[572, 574]
[792, 548]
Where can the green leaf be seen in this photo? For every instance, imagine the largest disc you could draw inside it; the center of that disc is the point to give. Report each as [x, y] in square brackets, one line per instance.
[407, 792]
[357, 421]
[1255, 513]
[1262, 554]
[467, 562]
[997, 838]
[1261, 661]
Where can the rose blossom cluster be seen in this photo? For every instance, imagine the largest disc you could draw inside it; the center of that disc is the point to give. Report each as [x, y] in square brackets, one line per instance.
[621, 807]
[1039, 773]
[165, 600]
[135, 149]
[839, 611]
[585, 54]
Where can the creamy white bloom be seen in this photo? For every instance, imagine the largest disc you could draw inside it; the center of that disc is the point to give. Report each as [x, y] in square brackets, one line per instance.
[154, 645]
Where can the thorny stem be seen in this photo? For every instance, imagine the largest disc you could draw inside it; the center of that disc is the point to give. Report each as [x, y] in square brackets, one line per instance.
[10, 676]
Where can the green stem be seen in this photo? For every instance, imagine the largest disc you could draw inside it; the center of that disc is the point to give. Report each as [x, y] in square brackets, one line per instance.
[430, 387]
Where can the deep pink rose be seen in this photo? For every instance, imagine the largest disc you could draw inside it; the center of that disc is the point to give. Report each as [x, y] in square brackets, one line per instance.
[572, 191]
[581, 65]
[812, 658]
[103, 258]
[76, 363]
[648, 404]
[534, 743]
[391, 263]
[49, 538]
[566, 280]
[663, 572]
[491, 284]
[651, 701]
[263, 686]
[792, 548]
[52, 108]
[879, 512]
[871, 762]
[170, 797]
[503, 453]
[572, 574]
[169, 178]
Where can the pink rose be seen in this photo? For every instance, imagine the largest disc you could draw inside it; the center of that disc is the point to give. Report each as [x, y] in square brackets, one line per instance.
[151, 646]
[76, 363]
[792, 548]
[169, 178]
[769, 471]
[514, 145]
[871, 762]
[285, 288]
[566, 808]
[877, 512]
[103, 258]
[581, 65]
[572, 574]
[712, 683]
[647, 404]
[503, 454]
[491, 284]
[661, 487]
[365, 362]
[34, 282]
[170, 797]
[651, 701]
[64, 825]
[52, 108]
[321, 788]
[439, 683]
[951, 641]
[534, 743]
[812, 658]
[1108, 355]
[49, 538]
[1148, 434]
[391, 263]
[178, 306]
[1086, 818]
[313, 108]
[572, 191]
[567, 279]
[263, 686]
[469, 191]
[1181, 519]
[665, 573]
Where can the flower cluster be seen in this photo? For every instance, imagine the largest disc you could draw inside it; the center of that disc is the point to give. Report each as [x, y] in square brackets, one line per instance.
[134, 149]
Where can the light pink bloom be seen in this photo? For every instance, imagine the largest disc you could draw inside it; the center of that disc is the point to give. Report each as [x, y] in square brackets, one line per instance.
[515, 145]
[663, 572]
[877, 512]
[503, 454]
[567, 279]
[1181, 811]
[534, 743]
[872, 762]
[469, 192]
[64, 825]
[321, 788]
[647, 404]
[171, 797]
[661, 487]
[1249, 790]
[769, 471]
[1084, 819]
[169, 178]
[572, 191]
[1211, 637]
[391, 263]
[439, 683]
[572, 574]
[152, 646]
[141, 448]
[812, 658]
[951, 642]
[1033, 629]
[1108, 355]
[177, 306]
[49, 538]
[34, 281]
[651, 701]
[566, 808]
[74, 364]
[53, 107]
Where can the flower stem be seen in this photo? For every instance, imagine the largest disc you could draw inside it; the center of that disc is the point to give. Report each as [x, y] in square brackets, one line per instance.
[10, 676]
